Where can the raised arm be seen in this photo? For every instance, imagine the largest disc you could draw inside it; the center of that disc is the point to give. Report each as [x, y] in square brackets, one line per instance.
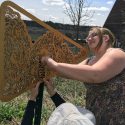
[109, 65]
[29, 111]
[56, 98]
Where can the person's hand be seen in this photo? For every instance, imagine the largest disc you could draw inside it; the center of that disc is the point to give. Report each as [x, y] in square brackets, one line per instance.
[49, 86]
[49, 62]
[34, 91]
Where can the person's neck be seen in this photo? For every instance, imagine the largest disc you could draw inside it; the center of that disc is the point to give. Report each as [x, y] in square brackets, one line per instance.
[100, 52]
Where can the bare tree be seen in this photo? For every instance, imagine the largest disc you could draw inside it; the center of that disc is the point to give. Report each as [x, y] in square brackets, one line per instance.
[78, 12]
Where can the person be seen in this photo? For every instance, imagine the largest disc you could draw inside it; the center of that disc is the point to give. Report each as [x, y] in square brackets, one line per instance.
[103, 75]
[65, 113]
[29, 111]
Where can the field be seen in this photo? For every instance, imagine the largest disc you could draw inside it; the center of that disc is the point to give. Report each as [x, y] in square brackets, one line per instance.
[73, 91]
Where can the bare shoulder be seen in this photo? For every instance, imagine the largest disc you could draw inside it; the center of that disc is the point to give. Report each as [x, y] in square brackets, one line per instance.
[115, 56]
[115, 53]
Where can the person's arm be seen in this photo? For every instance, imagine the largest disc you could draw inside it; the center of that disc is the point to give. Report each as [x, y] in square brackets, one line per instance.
[56, 98]
[29, 111]
[109, 65]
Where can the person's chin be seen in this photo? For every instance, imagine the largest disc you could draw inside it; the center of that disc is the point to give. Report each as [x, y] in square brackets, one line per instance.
[92, 47]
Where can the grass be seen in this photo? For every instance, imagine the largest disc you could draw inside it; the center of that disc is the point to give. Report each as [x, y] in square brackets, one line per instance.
[12, 112]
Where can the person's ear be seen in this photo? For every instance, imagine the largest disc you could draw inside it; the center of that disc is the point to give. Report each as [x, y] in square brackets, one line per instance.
[106, 38]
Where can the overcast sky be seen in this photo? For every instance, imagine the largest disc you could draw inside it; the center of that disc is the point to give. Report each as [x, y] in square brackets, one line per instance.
[53, 10]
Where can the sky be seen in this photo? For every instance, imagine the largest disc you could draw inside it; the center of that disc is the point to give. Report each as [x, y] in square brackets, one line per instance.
[53, 10]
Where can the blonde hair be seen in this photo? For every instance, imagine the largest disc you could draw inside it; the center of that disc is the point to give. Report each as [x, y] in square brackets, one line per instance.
[104, 31]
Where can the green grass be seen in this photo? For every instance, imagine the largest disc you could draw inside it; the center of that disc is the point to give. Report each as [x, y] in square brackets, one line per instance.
[73, 91]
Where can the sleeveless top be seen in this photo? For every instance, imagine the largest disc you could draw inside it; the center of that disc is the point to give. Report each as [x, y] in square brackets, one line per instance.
[107, 100]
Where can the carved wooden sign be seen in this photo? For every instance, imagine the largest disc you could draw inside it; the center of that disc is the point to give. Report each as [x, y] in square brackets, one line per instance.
[20, 66]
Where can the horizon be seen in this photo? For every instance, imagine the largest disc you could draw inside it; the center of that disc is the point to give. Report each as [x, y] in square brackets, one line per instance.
[46, 10]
